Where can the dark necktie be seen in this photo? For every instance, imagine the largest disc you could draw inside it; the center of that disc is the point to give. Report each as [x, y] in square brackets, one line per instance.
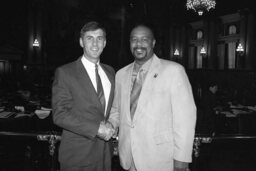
[100, 91]
[135, 93]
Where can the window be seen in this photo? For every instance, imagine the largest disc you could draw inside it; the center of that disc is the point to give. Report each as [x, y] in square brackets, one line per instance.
[199, 34]
[232, 29]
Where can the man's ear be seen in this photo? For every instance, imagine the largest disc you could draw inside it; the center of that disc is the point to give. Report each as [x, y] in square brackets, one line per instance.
[105, 42]
[81, 42]
[154, 42]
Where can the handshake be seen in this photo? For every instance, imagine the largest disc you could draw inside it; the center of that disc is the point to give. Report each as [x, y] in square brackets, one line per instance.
[106, 131]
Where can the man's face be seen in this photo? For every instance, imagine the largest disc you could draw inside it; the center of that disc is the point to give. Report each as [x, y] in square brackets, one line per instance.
[93, 43]
[142, 43]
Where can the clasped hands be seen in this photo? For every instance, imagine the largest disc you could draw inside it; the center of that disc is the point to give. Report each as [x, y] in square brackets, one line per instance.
[106, 131]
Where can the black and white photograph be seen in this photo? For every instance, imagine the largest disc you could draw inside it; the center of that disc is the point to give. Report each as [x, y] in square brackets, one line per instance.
[127, 85]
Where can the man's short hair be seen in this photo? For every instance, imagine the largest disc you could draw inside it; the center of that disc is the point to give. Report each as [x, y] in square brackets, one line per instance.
[145, 23]
[92, 26]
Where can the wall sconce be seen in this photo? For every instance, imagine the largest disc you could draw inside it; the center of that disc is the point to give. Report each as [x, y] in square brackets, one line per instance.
[176, 52]
[36, 43]
[25, 67]
[240, 49]
[203, 52]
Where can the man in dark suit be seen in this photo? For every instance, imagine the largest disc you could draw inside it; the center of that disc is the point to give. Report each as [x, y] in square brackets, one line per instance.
[82, 95]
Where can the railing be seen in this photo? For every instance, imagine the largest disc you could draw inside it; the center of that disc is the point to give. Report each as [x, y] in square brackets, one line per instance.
[51, 137]
[54, 137]
[201, 139]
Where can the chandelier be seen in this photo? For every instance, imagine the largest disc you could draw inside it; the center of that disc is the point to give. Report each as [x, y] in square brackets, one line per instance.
[200, 6]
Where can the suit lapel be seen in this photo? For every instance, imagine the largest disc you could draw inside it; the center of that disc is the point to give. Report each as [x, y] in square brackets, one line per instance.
[129, 88]
[126, 91]
[86, 83]
[111, 95]
[84, 77]
[148, 84]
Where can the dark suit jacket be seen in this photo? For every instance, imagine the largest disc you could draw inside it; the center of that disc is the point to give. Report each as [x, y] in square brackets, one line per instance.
[77, 109]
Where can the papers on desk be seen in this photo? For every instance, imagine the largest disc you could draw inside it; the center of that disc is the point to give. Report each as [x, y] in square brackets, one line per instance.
[19, 108]
[228, 114]
[237, 111]
[252, 108]
[238, 106]
[43, 112]
[5, 114]
[44, 108]
[8, 114]
[18, 115]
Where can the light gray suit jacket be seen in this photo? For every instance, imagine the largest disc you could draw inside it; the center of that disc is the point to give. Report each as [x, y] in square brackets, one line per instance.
[163, 126]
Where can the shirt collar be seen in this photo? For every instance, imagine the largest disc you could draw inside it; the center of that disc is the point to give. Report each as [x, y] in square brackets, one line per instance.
[88, 63]
[144, 67]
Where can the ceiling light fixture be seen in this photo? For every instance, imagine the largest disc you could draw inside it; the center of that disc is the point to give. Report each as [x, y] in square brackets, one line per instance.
[200, 6]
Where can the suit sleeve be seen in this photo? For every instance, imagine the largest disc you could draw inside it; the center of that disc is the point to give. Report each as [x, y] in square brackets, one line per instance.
[64, 115]
[114, 116]
[184, 116]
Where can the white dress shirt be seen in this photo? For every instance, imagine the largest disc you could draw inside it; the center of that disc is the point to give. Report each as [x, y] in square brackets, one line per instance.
[90, 68]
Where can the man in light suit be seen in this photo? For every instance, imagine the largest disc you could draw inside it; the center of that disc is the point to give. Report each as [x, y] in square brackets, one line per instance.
[159, 135]
[82, 108]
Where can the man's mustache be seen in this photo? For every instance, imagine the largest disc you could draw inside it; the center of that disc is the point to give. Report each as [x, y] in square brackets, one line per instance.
[142, 48]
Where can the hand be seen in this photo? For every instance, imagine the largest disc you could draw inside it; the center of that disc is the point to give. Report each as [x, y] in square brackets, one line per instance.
[115, 129]
[105, 131]
[180, 166]
[115, 133]
[110, 130]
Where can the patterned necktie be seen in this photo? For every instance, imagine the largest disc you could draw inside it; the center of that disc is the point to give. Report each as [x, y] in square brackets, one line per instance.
[135, 93]
[100, 91]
